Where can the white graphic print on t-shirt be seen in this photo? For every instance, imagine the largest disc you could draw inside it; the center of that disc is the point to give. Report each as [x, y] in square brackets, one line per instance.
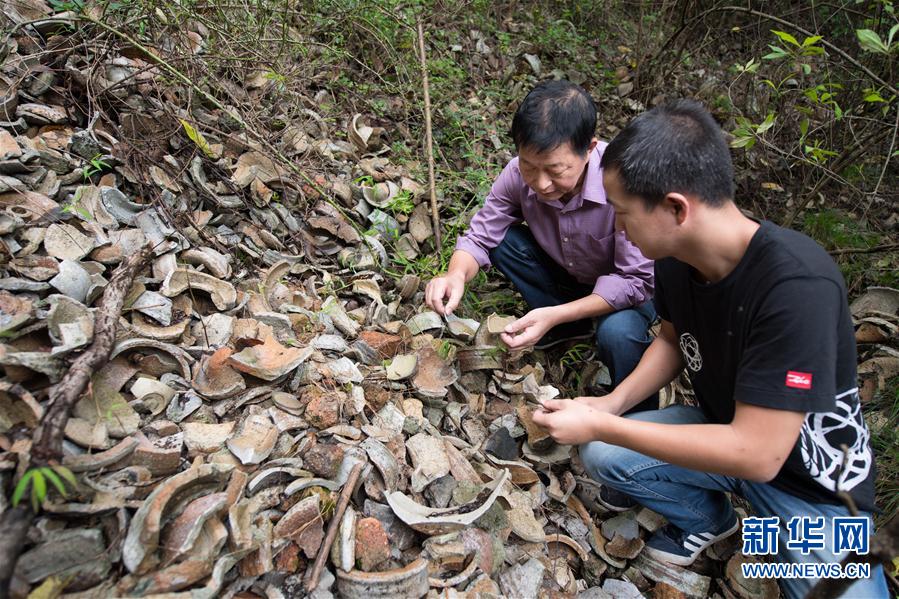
[689, 347]
[822, 459]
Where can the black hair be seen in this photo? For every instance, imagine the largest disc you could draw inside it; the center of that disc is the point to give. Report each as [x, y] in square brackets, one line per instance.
[676, 147]
[553, 113]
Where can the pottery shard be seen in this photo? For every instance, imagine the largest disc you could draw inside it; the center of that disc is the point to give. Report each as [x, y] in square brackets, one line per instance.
[269, 360]
[624, 548]
[215, 379]
[523, 580]
[323, 410]
[179, 536]
[65, 553]
[139, 548]
[206, 438]
[8, 146]
[222, 293]
[434, 374]
[538, 437]
[429, 460]
[256, 440]
[65, 242]
[689, 583]
[386, 345]
[253, 165]
[302, 524]
[372, 544]
[420, 223]
[324, 459]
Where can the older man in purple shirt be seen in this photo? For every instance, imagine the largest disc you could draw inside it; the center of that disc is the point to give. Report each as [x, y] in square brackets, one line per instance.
[569, 263]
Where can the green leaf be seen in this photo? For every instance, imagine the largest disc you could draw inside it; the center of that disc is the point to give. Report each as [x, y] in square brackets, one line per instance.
[743, 142]
[66, 474]
[892, 33]
[778, 52]
[766, 124]
[870, 41]
[21, 487]
[197, 137]
[803, 127]
[873, 96]
[38, 490]
[786, 37]
[806, 68]
[810, 40]
[56, 481]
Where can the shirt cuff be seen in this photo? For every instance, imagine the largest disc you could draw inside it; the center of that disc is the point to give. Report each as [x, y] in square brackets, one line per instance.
[478, 253]
[620, 293]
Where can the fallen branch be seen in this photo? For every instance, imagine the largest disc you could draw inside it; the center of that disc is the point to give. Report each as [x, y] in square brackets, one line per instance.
[47, 446]
[48, 436]
[884, 247]
[316, 572]
[435, 215]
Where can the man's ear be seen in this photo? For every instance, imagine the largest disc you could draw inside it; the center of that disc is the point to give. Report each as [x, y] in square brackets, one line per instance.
[678, 205]
[592, 147]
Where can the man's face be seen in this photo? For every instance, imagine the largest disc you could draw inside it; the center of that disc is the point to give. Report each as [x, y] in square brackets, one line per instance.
[553, 174]
[647, 229]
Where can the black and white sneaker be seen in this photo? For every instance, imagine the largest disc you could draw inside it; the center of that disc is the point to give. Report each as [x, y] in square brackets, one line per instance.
[675, 546]
[614, 500]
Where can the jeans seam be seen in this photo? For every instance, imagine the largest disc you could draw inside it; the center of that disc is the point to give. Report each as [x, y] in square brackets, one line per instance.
[655, 463]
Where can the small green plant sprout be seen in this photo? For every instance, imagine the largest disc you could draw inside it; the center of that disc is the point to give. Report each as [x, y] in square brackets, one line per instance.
[74, 206]
[95, 165]
[401, 203]
[37, 478]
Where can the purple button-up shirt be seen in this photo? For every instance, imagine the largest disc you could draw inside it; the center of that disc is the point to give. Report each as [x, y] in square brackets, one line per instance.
[579, 234]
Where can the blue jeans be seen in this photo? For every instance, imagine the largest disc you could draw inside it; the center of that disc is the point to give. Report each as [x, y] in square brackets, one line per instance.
[621, 337]
[696, 502]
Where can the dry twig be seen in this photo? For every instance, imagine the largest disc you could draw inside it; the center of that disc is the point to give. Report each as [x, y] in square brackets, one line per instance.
[435, 216]
[323, 552]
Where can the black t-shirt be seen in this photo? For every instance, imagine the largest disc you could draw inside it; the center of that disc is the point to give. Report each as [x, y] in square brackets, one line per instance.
[777, 332]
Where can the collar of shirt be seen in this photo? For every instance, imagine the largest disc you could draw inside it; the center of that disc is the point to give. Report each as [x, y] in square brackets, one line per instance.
[591, 189]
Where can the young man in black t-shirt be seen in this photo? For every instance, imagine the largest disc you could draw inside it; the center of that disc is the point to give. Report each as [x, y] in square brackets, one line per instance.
[758, 316]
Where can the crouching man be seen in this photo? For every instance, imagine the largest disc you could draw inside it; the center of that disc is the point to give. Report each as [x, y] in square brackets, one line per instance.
[568, 262]
[758, 316]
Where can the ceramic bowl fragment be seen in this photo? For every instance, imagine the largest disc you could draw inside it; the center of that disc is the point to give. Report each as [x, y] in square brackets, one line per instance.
[410, 581]
[402, 367]
[222, 293]
[442, 520]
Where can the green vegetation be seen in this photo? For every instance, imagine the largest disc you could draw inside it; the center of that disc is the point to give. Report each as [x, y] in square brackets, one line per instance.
[37, 478]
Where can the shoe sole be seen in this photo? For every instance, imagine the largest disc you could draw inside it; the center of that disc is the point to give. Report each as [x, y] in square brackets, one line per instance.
[685, 560]
[565, 340]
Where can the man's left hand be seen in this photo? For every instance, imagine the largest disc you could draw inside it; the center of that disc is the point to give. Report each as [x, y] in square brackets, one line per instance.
[530, 328]
[569, 422]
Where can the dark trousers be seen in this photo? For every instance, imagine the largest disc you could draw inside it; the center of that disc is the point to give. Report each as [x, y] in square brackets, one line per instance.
[621, 337]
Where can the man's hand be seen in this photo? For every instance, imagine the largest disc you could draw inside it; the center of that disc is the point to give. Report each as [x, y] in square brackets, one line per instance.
[569, 422]
[528, 329]
[606, 403]
[449, 287]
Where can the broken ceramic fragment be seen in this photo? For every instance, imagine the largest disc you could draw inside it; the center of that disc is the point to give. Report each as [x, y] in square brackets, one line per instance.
[222, 293]
[442, 520]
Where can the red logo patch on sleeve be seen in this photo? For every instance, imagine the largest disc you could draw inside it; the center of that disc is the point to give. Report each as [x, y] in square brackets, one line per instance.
[799, 380]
